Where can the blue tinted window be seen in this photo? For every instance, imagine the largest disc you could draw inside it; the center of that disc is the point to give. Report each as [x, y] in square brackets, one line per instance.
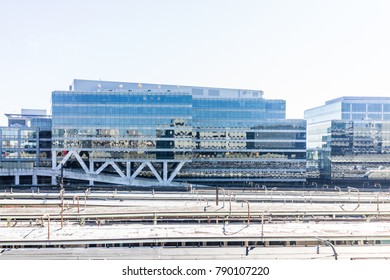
[374, 116]
[356, 107]
[345, 116]
[358, 116]
[374, 107]
[386, 108]
[346, 107]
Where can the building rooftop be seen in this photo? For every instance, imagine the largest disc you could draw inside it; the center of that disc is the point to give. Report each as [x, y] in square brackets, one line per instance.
[359, 98]
[196, 91]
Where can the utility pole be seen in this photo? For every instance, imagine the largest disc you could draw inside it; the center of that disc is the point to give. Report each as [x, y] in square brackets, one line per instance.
[62, 191]
[216, 196]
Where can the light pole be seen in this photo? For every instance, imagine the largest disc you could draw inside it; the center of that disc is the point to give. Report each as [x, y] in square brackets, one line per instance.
[272, 190]
[262, 225]
[78, 203]
[284, 196]
[48, 225]
[377, 201]
[87, 191]
[230, 202]
[216, 196]
[223, 206]
[249, 213]
[62, 192]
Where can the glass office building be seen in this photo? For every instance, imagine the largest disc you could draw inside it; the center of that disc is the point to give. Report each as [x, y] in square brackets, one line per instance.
[209, 136]
[347, 138]
[25, 143]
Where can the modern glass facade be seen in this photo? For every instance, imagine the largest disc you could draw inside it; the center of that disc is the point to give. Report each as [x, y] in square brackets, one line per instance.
[141, 125]
[219, 136]
[26, 142]
[359, 150]
[346, 133]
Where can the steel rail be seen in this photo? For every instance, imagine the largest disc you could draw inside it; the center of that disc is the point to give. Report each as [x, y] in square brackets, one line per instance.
[155, 240]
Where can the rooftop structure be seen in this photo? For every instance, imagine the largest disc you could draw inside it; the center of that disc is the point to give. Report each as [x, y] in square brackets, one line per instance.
[200, 92]
[30, 118]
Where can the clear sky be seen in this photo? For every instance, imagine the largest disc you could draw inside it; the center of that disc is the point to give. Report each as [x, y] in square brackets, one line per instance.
[303, 51]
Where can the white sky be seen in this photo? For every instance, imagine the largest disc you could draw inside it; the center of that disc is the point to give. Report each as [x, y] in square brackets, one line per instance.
[303, 51]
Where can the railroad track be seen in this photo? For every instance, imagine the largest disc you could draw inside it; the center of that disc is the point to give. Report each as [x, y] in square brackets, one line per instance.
[318, 215]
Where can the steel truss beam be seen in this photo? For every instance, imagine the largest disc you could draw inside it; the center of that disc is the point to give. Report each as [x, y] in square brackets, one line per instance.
[163, 177]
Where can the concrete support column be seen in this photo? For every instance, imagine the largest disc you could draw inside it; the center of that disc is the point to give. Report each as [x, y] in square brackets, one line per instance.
[53, 159]
[91, 170]
[128, 169]
[53, 180]
[165, 171]
[17, 180]
[35, 179]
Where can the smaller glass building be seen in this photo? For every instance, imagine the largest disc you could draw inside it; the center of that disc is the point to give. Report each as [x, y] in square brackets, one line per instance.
[26, 142]
[347, 138]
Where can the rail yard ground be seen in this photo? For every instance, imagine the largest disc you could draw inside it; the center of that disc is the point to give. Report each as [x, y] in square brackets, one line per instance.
[343, 223]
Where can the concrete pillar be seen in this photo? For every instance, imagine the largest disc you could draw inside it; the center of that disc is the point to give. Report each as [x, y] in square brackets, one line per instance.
[165, 171]
[53, 180]
[128, 169]
[17, 180]
[53, 159]
[91, 165]
[35, 179]
[91, 170]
